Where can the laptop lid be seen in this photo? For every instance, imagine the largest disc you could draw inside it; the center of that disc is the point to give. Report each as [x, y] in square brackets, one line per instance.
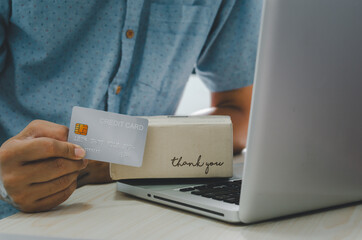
[305, 133]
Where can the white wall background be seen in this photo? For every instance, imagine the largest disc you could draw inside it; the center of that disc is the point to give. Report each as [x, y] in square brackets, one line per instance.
[196, 96]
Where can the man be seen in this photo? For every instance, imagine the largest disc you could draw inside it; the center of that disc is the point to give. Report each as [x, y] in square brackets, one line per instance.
[131, 57]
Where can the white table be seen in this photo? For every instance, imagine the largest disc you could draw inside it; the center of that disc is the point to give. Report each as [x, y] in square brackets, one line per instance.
[100, 212]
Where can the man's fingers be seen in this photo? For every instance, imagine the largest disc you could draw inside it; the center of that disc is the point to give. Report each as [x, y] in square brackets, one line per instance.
[47, 170]
[53, 200]
[54, 186]
[40, 128]
[43, 148]
[33, 192]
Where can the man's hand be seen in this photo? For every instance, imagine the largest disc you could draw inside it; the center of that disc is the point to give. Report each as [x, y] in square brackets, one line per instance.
[38, 168]
[235, 103]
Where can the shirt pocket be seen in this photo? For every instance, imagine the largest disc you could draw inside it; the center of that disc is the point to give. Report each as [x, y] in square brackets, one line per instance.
[174, 38]
[189, 20]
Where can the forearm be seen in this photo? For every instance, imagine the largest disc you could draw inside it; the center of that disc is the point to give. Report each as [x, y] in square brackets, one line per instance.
[95, 173]
[235, 103]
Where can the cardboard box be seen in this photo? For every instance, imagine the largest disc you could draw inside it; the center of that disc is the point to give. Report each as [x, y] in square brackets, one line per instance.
[184, 147]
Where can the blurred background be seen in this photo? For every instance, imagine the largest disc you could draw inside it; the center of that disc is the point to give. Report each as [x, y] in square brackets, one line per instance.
[195, 97]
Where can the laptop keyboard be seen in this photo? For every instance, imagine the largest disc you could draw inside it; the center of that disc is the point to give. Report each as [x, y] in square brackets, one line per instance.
[228, 191]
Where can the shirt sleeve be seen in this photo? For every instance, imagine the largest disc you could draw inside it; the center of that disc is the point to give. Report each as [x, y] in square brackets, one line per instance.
[227, 60]
[4, 19]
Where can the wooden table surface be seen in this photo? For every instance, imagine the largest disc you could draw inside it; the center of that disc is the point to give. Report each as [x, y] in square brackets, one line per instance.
[100, 212]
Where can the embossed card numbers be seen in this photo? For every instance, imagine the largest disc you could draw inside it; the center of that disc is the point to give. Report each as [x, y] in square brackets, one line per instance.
[109, 137]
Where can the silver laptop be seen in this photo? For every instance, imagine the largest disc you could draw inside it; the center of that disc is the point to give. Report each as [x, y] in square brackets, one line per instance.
[304, 147]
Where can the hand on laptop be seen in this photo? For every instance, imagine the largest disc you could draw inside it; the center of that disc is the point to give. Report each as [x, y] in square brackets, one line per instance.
[38, 168]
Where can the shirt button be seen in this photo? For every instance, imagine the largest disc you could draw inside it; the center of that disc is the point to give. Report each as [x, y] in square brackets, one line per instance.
[130, 33]
[118, 89]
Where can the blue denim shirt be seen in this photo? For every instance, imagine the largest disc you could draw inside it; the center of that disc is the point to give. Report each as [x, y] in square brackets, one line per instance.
[131, 57]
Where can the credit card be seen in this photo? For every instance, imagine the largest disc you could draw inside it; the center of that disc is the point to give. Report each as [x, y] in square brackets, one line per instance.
[109, 137]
